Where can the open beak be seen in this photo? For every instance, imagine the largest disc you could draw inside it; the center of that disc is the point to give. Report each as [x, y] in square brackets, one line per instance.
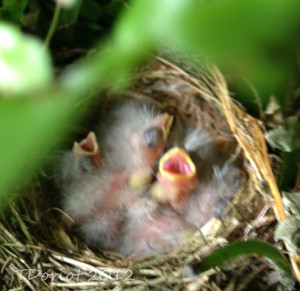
[88, 147]
[176, 178]
[165, 121]
[176, 164]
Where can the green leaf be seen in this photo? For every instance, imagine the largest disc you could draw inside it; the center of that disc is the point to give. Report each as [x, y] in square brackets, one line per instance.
[25, 65]
[250, 38]
[289, 169]
[30, 128]
[234, 250]
[247, 38]
[13, 10]
[70, 16]
[91, 10]
[291, 202]
[287, 137]
[129, 45]
[289, 231]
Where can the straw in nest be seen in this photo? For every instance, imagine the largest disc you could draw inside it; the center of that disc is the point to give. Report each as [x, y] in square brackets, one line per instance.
[37, 253]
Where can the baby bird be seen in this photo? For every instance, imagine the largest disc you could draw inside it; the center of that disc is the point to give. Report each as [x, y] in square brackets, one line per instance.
[201, 146]
[211, 198]
[158, 225]
[183, 167]
[150, 229]
[83, 159]
[88, 148]
[195, 185]
[133, 137]
[176, 178]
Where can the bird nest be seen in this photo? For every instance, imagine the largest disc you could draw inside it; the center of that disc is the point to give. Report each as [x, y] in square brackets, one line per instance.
[38, 253]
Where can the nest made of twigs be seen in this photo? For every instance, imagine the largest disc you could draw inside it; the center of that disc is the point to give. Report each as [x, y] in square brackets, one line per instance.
[37, 253]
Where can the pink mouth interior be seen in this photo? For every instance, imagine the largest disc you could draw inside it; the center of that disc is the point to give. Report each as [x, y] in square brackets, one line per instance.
[177, 164]
[89, 145]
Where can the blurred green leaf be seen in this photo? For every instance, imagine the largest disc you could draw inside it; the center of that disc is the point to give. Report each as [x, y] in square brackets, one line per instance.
[31, 16]
[85, 27]
[273, 116]
[287, 137]
[13, 10]
[251, 39]
[289, 169]
[289, 231]
[81, 19]
[129, 45]
[232, 251]
[70, 16]
[29, 129]
[91, 10]
[291, 202]
[25, 65]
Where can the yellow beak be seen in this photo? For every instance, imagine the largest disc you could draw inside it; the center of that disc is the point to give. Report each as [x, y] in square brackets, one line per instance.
[176, 164]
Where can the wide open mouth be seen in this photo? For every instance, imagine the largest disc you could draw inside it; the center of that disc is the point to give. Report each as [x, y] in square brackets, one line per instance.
[177, 164]
[88, 146]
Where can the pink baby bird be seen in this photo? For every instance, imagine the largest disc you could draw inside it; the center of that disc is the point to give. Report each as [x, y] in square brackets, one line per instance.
[198, 186]
[211, 198]
[130, 141]
[176, 179]
[183, 167]
[82, 160]
[150, 228]
[154, 223]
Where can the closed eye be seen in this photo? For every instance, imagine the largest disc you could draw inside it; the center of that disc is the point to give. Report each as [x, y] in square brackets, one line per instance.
[153, 137]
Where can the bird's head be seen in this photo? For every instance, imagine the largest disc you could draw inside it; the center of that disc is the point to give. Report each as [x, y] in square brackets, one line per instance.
[148, 142]
[88, 147]
[154, 138]
[147, 146]
[176, 176]
[134, 135]
[177, 165]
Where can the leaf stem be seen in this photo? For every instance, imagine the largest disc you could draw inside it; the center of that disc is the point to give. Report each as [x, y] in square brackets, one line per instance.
[53, 25]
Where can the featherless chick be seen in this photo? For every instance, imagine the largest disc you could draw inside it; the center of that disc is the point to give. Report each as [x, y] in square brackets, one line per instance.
[195, 179]
[182, 203]
[151, 228]
[183, 166]
[97, 193]
[210, 199]
[134, 135]
[82, 160]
